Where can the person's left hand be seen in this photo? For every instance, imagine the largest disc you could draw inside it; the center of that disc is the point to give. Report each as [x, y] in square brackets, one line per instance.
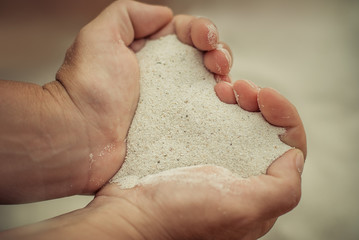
[210, 202]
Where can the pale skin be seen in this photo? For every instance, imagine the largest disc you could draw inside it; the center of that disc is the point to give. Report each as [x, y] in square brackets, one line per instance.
[48, 134]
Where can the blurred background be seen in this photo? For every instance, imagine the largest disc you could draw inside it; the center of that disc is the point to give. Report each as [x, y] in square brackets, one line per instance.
[308, 50]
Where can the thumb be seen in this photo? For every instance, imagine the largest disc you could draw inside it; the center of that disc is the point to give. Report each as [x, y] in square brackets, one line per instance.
[129, 20]
[279, 191]
[99, 61]
[289, 166]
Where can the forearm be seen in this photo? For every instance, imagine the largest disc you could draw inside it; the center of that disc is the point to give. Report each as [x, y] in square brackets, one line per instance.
[35, 135]
[68, 226]
[117, 220]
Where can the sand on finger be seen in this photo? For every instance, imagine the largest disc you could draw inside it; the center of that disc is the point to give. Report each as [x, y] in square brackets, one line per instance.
[180, 122]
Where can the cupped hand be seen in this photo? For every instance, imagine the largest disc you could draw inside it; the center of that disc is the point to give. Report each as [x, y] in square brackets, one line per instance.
[98, 84]
[210, 202]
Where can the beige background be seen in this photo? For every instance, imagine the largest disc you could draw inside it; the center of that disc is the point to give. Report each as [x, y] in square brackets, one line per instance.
[308, 50]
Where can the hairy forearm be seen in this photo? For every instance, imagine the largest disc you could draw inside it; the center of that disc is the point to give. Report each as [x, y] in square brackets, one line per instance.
[35, 135]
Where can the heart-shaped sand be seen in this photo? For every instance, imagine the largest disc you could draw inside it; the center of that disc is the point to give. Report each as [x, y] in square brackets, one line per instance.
[181, 122]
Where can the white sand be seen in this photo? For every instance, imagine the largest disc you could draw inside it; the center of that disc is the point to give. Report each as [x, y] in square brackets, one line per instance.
[180, 121]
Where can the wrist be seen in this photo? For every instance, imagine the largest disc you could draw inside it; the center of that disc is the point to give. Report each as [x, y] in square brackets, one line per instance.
[38, 137]
[104, 218]
[119, 218]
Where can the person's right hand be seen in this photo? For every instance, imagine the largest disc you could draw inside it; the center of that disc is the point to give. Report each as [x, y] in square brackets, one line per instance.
[209, 202]
[68, 137]
[101, 77]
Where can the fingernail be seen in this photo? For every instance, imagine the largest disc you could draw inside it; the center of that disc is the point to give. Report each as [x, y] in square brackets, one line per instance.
[229, 84]
[220, 47]
[251, 84]
[236, 96]
[299, 160]
[212, 35]
[260, 104]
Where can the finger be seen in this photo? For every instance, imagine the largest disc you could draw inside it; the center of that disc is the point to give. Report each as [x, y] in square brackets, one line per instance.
[222, 78]
[137, 45]
[280, 190]
[129, 20]
[219, 60]
[224, 91]
[246, 94]
[148, 19]
[277, 110]
[202, 34]
[287, 170]
[198, 32]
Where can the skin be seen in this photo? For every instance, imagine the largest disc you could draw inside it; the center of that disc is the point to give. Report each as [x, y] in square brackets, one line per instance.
[67, 137]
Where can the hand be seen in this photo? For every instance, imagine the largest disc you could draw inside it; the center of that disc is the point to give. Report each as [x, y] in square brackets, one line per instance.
[218, 205]
[71, 132]
[68, 137]
[101, 75]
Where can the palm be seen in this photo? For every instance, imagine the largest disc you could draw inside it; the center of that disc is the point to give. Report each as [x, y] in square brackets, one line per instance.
[204, 208]
[101, 76]
[210, 202]
[105, 94]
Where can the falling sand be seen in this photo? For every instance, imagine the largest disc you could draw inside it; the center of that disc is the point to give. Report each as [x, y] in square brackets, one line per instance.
[180, 122]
